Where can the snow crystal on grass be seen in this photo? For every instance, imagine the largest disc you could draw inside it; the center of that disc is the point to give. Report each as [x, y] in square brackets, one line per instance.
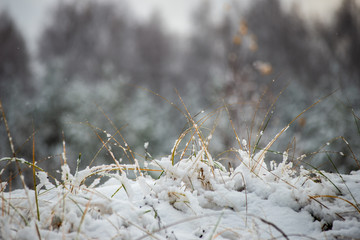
[44, 181]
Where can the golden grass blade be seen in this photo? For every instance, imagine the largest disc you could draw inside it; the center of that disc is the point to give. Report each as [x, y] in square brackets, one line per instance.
[336, 197]
[7, 130]
[233, 127]
[34, 178]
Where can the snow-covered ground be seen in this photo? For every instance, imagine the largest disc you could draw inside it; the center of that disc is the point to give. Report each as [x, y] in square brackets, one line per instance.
[196, 198]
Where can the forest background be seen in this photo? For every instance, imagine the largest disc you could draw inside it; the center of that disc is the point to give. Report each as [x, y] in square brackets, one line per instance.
[95, 60]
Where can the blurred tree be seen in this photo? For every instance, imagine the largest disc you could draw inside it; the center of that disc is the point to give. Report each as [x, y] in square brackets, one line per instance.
[285, 41]
[203, 63]
[87, 40]
[153, 50]
[342, 39]
[202, 51]
[16, 91]
[238, 48]
[14, 60]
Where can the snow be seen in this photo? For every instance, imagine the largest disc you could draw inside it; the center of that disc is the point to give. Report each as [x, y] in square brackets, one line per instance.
[196, 198]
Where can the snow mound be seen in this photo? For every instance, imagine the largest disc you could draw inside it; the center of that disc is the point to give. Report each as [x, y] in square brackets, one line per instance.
[196, 198]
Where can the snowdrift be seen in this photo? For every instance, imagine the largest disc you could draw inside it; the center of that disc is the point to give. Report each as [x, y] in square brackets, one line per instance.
[195, 198]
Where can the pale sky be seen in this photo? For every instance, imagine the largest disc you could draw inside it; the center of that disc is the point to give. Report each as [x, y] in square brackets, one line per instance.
[30, 15]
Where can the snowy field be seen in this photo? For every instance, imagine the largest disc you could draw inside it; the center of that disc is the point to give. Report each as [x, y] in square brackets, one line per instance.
[196, 198]
[241, 67]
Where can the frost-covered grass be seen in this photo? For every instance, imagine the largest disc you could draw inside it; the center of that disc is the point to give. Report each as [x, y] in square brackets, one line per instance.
[186, 195]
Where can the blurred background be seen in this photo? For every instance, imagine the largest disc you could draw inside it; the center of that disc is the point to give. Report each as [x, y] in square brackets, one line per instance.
[83, 70]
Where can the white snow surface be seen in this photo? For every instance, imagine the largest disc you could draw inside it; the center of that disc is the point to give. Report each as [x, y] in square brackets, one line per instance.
[192, 199]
